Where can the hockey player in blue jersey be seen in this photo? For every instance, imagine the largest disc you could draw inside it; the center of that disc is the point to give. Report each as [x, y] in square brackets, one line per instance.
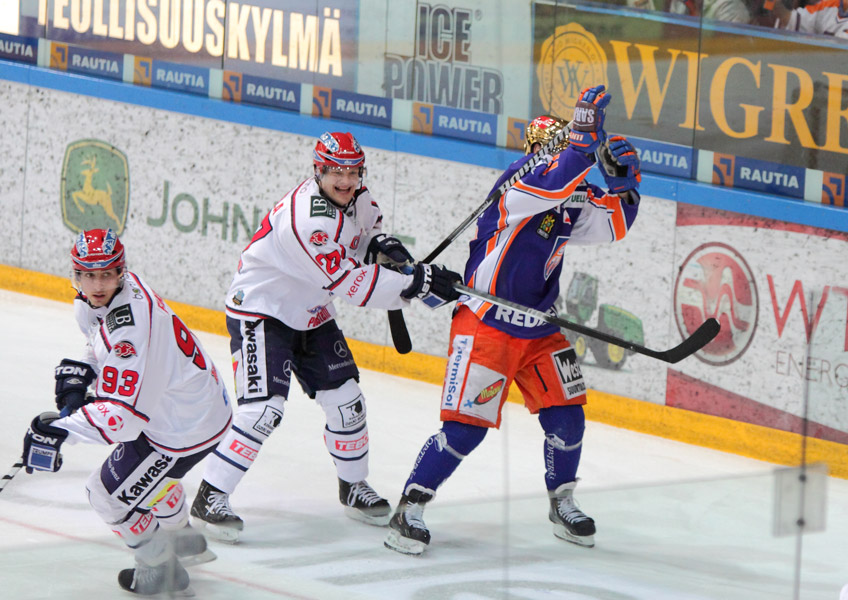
[516, 254]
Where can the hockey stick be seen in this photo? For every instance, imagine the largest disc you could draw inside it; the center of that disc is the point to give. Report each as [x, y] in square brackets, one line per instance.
[400, 335]
[702, 336]
[11, 474]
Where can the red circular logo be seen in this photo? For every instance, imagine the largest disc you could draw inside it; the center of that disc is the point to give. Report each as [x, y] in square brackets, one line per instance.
[715, 281]
[115, 422]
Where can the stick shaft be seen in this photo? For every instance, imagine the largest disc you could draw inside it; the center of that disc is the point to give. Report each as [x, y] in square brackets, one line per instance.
[700, 338]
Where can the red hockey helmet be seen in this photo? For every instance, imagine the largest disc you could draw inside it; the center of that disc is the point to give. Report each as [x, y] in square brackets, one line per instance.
[98, 250]
[337, 149]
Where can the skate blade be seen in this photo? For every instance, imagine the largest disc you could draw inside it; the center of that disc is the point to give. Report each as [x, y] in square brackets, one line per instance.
[394, 541]
[186, 593]
[587, 541]
[377, 521]
[198, 559]
[229, 535]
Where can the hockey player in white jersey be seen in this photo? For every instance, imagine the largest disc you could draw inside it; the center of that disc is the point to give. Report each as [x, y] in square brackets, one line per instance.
[156, 396]
[322, 241]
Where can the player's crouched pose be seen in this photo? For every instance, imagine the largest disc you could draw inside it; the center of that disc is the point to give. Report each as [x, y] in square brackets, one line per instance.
[323, 240]
[157, 397]
[517, 255]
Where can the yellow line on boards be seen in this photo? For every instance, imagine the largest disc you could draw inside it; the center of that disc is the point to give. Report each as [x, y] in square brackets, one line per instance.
[727, 435]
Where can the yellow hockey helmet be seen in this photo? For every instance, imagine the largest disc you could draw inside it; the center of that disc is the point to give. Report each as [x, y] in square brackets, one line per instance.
[541, 130]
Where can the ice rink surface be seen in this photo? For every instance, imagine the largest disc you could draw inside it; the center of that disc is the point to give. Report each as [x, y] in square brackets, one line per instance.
[675, 522]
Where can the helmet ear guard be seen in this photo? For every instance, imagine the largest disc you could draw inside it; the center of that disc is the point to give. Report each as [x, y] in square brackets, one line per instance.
[542, 129]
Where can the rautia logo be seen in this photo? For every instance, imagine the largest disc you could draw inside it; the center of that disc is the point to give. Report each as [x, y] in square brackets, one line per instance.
[715, 281]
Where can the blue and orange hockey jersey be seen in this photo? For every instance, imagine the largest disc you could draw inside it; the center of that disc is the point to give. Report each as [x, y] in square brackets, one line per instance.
[517, 251]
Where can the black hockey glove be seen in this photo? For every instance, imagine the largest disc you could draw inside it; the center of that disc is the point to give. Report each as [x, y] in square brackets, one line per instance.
[587, 128]
[433, 285]
[72, 381]
[41, 444]
[619, 165]
[388, 250]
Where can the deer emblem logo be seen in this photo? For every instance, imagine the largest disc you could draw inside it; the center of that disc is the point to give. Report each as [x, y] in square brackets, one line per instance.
[95, 186]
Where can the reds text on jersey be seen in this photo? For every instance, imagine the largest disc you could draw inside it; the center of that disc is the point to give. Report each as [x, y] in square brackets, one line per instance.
[517, 251]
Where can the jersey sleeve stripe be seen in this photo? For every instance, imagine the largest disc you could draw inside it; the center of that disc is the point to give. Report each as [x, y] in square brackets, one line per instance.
[105, 337]
[504, 252]
[339, 227]
[95, 425]
[560, 194]
[254, 316]
[336, 283]
[373, 285]
[128, 407]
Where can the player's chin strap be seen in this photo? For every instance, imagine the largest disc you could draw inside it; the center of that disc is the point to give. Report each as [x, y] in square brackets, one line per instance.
[397, 325]
[700, 338]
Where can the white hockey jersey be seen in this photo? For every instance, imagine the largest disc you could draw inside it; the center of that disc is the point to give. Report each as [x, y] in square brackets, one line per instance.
[153, 377]
[826, 17]
[306, 253]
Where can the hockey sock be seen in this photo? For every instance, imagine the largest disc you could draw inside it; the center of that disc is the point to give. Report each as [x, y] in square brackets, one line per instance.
[346, 431]
[563, 426]
[442, 453]
[253, 424]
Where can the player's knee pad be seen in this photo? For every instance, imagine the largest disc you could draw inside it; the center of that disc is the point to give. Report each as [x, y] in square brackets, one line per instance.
[462, 438]
[171, 509]
[344, 406]
[137, 529]
[441, 455]
[563, 426]
[257, 420]
[346, 432]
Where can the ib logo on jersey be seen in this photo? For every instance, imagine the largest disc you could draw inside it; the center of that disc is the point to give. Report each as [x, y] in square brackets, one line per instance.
[715, 281]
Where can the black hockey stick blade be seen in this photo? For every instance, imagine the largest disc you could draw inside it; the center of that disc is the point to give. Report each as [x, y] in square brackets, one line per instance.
[11, 474]
[400, 334]
[700, 338]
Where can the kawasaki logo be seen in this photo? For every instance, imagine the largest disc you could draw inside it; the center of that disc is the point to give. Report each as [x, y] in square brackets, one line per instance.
[147, 481]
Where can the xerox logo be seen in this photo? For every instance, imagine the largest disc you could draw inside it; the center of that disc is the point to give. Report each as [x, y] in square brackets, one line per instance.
[715, 281]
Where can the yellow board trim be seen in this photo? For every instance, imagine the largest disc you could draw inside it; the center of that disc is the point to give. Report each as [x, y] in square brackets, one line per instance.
[727, 435]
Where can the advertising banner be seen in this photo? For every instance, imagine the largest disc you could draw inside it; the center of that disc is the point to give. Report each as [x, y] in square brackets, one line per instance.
[732, 89]
[780, 294]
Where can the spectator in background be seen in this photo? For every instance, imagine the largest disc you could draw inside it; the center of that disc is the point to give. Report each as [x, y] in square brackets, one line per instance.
[825, 17]
[729, 11]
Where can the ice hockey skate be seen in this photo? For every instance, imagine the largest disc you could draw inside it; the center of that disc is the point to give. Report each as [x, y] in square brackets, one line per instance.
[145, 580]
[362, 503]
[407, 532]
[191, 548]
[212, 513]
[570, 523]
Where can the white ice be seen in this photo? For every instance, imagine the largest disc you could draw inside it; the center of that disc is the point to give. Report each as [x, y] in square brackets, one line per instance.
[674, 521]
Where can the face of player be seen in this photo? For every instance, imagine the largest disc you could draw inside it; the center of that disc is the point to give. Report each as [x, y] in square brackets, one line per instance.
[99, 286]
[339, 185]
